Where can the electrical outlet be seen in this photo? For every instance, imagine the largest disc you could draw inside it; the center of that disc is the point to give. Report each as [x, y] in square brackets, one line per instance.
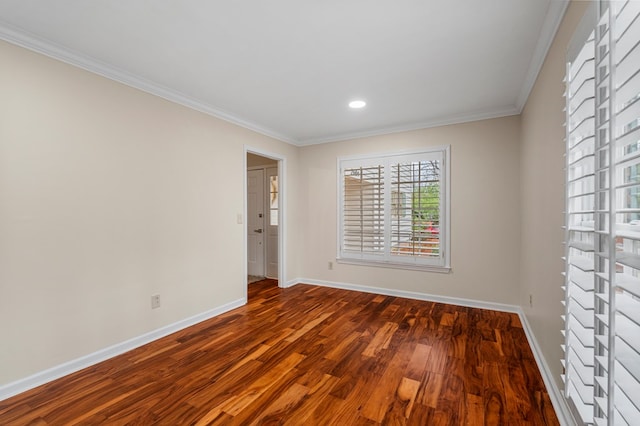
[531, 300]
[330, 265]
[155, 301]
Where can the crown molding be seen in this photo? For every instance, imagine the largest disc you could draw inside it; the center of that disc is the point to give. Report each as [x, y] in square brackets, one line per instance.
[38, 44]
[32, 42]
[552, 21]
[445, 121]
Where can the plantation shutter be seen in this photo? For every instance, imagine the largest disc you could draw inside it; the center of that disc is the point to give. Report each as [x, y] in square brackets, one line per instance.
[614, 376]
[415, 208]
[623, 38]
[393, 210]
[363, 210]
[579, 250]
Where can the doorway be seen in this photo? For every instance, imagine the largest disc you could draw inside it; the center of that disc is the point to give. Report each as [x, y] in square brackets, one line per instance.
[263, 217]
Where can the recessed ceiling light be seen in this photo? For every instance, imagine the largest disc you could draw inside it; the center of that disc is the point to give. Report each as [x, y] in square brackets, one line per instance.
[357, 104]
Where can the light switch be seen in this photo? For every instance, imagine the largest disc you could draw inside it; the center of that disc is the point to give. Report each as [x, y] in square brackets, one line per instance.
[239, 219]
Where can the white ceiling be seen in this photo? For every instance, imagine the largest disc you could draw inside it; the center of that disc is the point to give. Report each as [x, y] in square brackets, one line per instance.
[287, 68]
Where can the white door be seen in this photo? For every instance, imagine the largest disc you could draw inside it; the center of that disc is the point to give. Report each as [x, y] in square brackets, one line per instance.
[273, 219]
[255, 222]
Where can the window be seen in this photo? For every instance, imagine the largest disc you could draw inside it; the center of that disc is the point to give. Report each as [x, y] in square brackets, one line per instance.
[393, 210]
[273, 200]
[602, 275]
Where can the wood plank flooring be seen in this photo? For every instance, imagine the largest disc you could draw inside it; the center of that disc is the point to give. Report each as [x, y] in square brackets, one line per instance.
[310, 355]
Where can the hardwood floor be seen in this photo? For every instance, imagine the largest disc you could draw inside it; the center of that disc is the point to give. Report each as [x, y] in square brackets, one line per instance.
[310, 355]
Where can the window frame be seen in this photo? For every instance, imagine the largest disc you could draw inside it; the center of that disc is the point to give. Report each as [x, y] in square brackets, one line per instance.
[441, 264]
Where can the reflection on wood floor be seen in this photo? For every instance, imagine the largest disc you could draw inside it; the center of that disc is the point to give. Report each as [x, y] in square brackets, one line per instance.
[310, 355]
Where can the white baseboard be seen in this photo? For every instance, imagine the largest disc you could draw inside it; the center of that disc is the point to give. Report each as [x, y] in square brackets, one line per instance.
[559, 403]
[557, 399]
[290, 283]
[42, 377]
[502, 307]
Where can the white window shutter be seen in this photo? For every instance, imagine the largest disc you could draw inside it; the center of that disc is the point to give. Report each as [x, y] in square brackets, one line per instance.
[393, 209]
[363, 210]
[611, 325]
[624, 293]
[416, 208]
[580, 235]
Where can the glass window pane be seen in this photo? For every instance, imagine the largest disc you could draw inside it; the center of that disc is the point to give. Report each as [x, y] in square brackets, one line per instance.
[273, 189]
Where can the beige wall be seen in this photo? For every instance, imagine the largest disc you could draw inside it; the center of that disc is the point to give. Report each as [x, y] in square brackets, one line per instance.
[485, 211]
[542, 189]
[107, 196]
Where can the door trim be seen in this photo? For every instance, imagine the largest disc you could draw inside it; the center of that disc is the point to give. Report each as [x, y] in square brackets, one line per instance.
[282, 211]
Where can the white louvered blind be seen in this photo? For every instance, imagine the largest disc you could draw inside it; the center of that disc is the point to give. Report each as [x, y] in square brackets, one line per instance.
[393, 209]
[579, 250]
[605, 227]
[363, 209]
[624, 79]
[415, 209]
[615, 370]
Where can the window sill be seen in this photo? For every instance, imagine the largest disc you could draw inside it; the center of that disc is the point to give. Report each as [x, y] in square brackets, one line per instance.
[393, 265]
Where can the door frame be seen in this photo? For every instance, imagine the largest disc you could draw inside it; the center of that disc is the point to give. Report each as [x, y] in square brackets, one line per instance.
[282, 212]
